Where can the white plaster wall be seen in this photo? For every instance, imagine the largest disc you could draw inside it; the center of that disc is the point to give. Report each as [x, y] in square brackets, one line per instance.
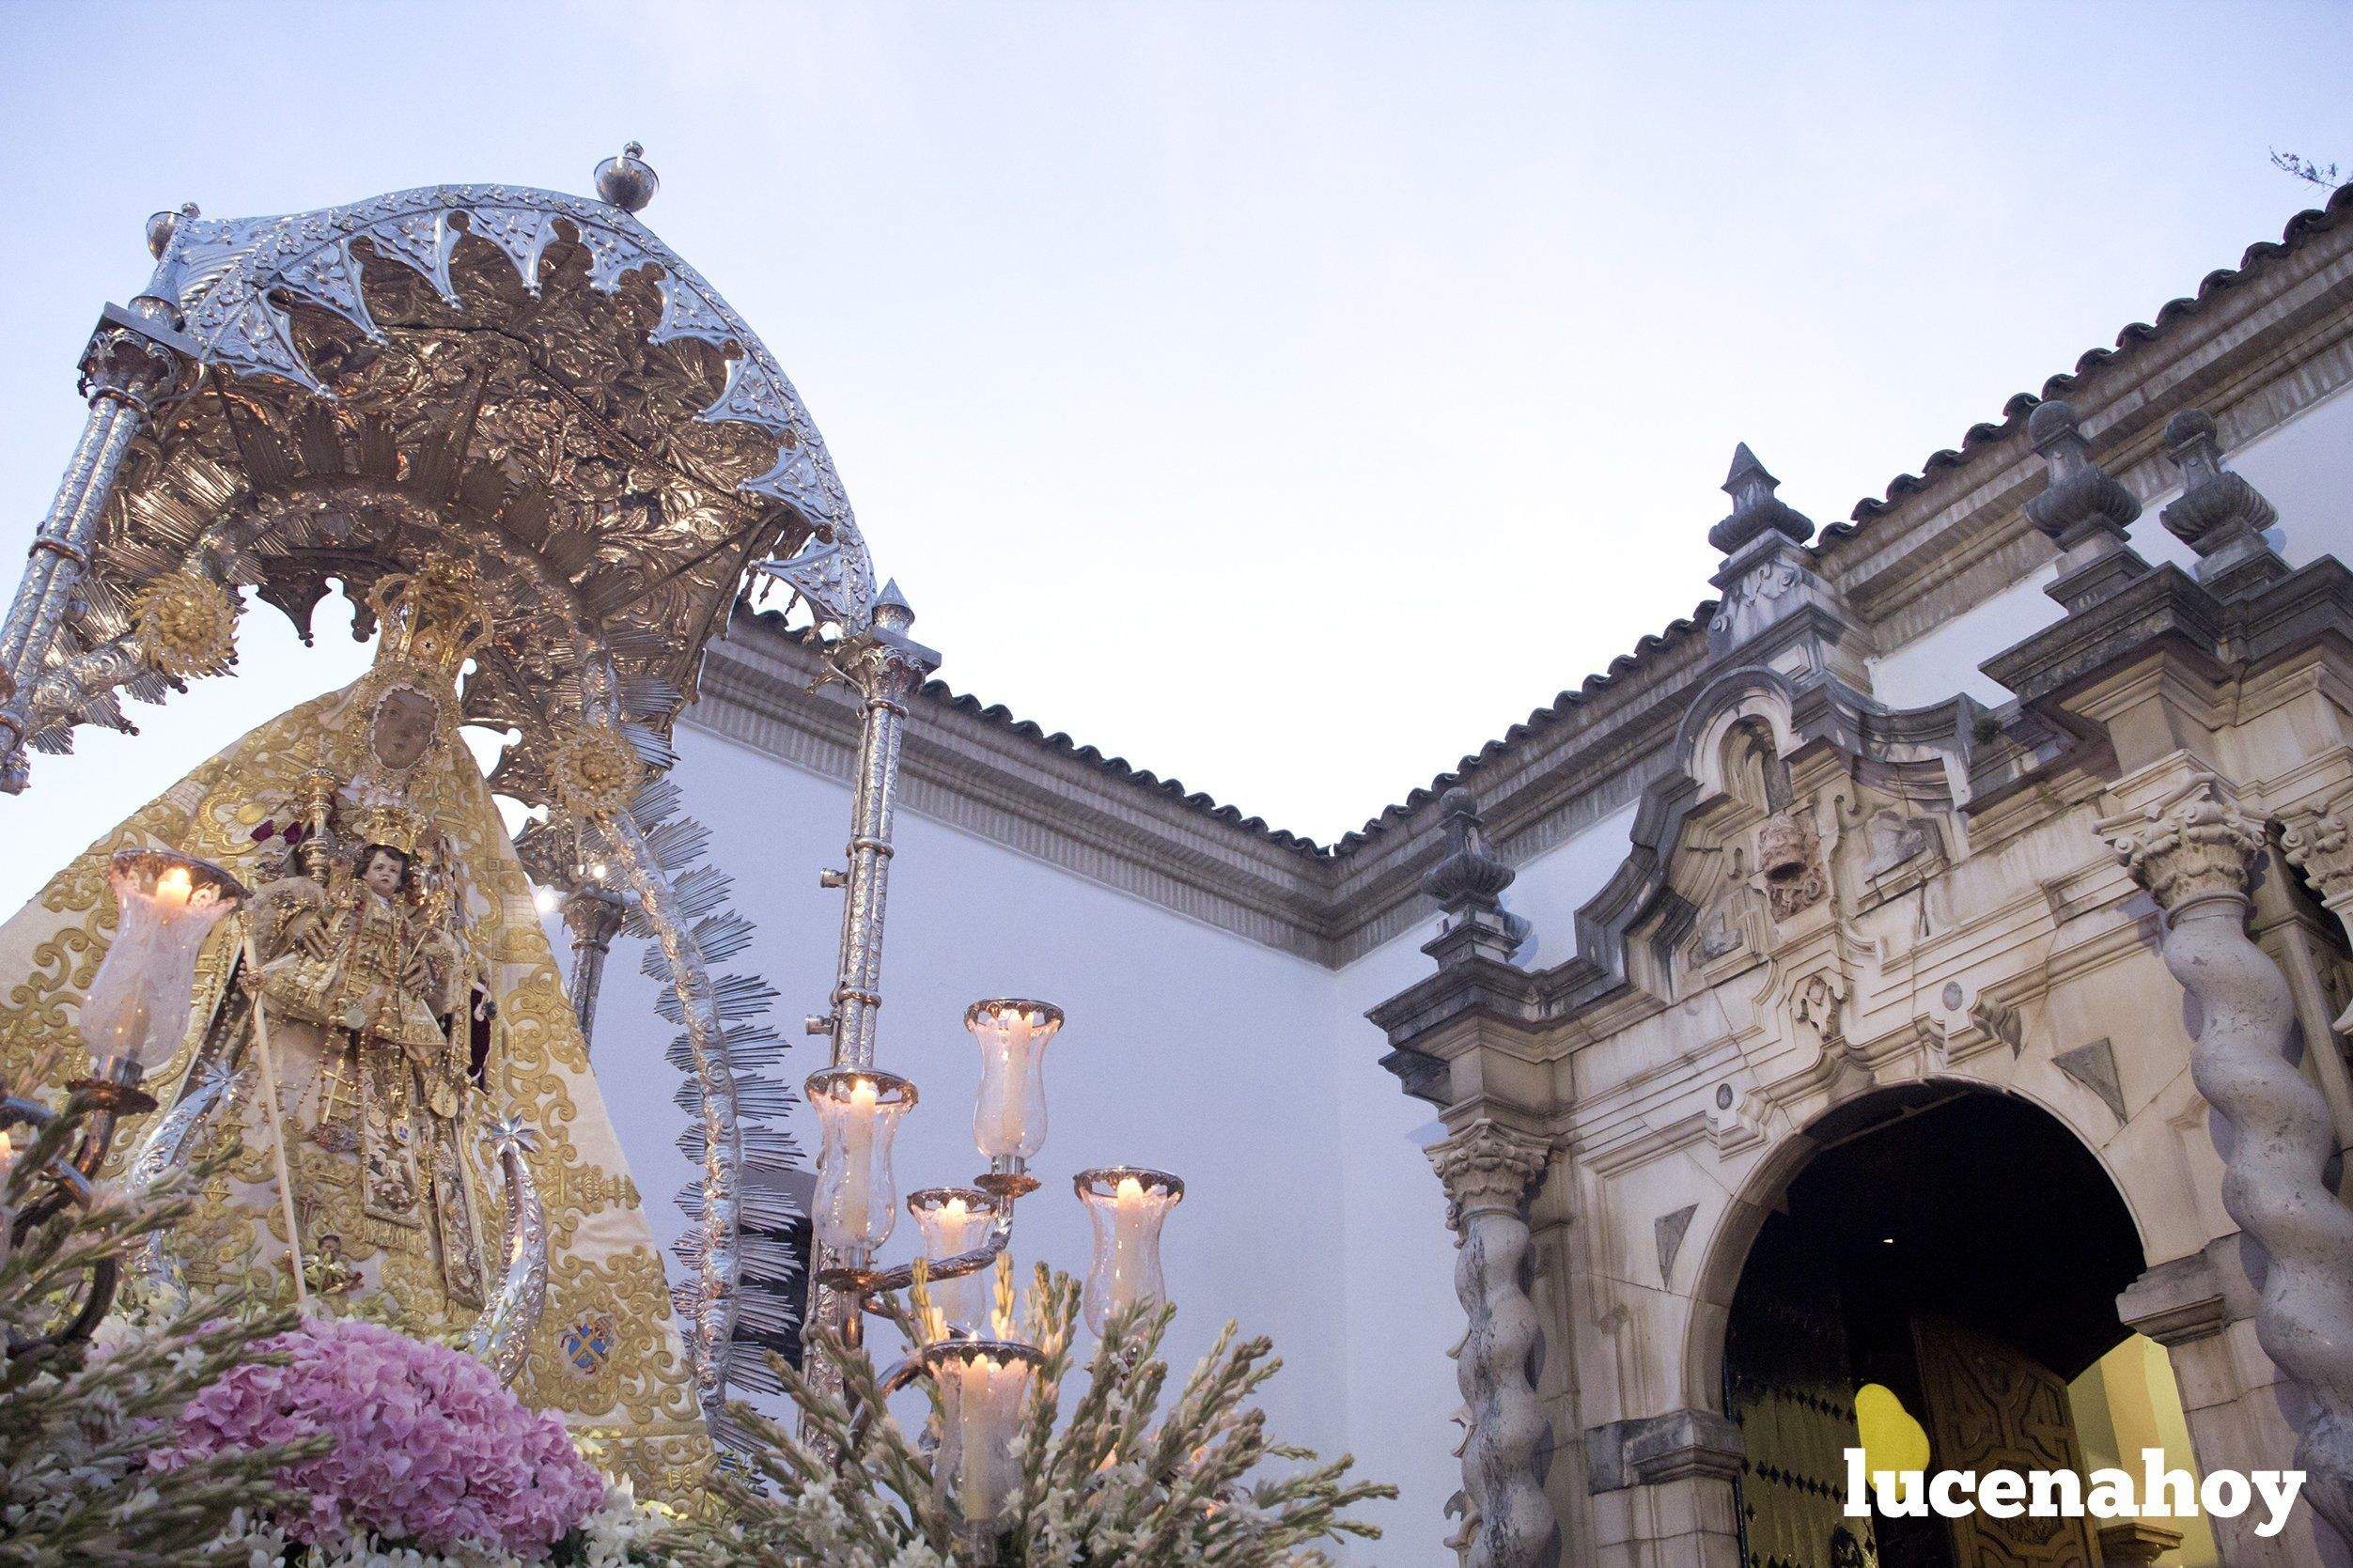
[2305, 468]
[1552, 888]
[1402, 1316]
[1311, 1214]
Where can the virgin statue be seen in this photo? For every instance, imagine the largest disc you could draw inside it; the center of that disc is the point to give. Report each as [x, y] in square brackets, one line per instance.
[385, 997]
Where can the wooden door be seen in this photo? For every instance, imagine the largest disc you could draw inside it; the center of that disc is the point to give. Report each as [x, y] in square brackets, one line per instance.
[1993, 1407]
[1788, 1387]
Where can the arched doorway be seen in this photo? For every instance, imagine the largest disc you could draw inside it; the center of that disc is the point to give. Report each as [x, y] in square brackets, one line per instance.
[1962, 1250]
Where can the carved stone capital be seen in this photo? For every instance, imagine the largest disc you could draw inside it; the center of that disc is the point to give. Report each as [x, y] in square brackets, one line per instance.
[2319, 842]
[1488, 1167]
[2189, 845]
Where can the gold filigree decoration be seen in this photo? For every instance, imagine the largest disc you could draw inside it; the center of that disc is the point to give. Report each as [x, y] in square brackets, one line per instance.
[186, 625]
[595, 771]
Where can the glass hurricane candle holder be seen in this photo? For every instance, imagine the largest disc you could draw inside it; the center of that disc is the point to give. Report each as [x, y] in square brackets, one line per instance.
[956, 1219]
[857, 1110]
[1127, 1203]
[137, 1011]
[982, 1383]
[1009, 1114]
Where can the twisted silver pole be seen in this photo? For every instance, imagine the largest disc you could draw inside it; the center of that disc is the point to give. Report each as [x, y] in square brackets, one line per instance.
[593, 915]
[128, 367]
[887, 668]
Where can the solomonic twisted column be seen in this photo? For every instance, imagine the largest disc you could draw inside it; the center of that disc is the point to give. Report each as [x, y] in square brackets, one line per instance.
[1488, 1172]
[2198, 857]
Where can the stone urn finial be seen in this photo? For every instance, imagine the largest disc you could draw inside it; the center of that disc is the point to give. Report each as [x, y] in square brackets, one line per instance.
[1756, 511]
[2219, 515]
[1468, 873]
[2082, 500]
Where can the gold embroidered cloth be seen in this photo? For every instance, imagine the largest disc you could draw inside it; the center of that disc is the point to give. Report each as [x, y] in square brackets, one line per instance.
[606, 1355]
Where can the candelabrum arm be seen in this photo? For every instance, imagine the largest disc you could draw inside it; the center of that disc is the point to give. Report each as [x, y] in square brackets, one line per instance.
[73, 1180]
[955, 1266]
[902, 1374]
[2199, 857]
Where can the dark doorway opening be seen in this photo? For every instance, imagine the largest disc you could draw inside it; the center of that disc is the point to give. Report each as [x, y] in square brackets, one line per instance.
[1960, 1249]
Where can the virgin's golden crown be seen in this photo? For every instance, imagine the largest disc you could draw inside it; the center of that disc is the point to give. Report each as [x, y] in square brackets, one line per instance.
[433, 618]
[393, 827]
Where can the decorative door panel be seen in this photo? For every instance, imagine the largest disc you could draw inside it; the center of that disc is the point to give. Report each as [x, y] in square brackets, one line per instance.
[1993, 1407]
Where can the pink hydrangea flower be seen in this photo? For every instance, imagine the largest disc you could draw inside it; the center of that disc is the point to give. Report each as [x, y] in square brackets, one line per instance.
[429, 1450]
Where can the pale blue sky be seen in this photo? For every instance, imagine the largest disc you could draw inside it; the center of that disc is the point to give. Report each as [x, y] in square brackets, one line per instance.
[1285, 397]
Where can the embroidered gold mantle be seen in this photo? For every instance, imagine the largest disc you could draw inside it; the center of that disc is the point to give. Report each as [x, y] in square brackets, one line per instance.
[607, 1354]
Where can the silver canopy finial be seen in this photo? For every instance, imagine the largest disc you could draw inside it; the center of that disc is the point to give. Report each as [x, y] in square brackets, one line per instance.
[892, 611]
[628, 182]
[161, 226]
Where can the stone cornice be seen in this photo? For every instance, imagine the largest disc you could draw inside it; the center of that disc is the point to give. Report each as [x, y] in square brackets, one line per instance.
[987, 778]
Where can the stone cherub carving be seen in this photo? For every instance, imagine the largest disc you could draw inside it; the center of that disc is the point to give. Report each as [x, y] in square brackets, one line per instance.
[1789, 855]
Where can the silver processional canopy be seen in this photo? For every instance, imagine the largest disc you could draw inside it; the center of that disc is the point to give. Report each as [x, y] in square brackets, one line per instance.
[530, 377]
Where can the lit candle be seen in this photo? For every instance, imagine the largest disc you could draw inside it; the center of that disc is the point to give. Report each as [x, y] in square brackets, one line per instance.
[858, 1158]
[981, 1385]
[856, 1201]
[1127, 1241]
[1129, 1205]
[136, 1008]
[1010, 1114]
[954, 1220]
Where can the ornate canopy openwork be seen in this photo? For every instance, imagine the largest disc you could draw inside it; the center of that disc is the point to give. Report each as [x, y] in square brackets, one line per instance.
[532, 375]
